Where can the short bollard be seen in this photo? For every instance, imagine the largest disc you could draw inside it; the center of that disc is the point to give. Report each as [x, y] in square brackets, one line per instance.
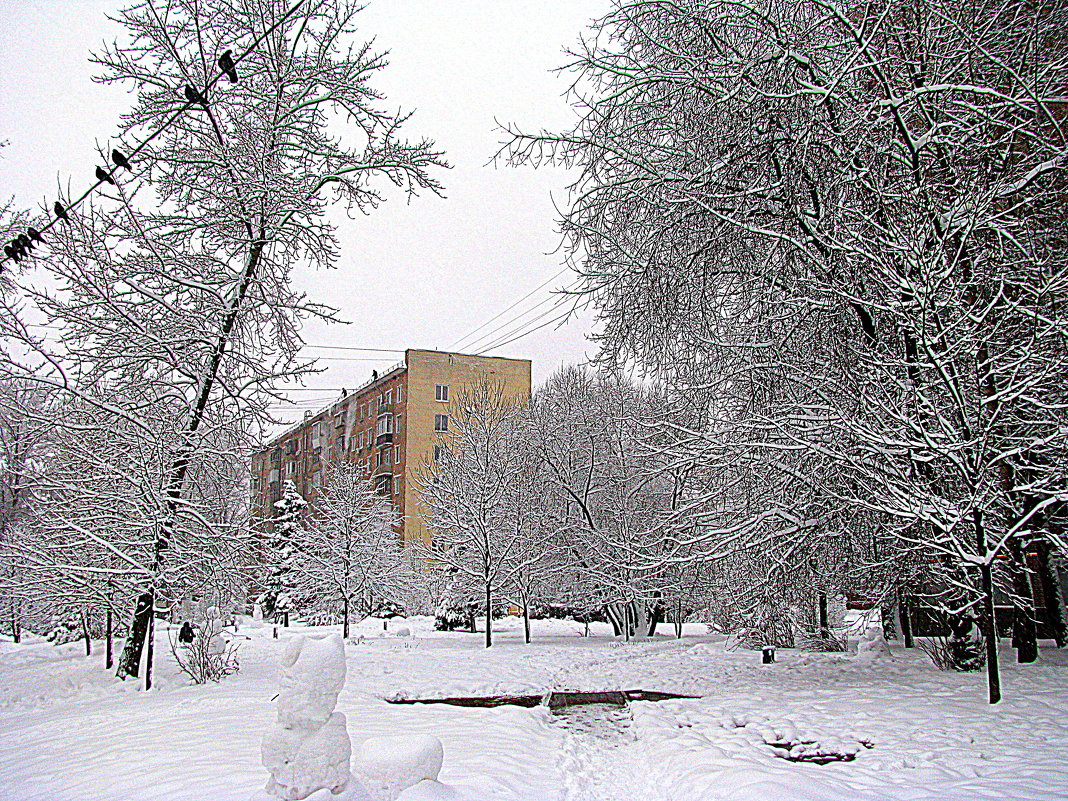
[767, 655]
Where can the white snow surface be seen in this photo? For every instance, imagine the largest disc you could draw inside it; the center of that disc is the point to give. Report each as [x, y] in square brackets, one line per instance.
[70, 731]
[386, 766]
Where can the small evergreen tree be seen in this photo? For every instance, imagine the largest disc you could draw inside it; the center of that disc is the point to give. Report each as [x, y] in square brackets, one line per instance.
[282, 549]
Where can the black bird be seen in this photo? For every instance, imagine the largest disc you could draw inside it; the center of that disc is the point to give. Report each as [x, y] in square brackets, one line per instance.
[35, 235]
[193, 96]
[20, 251]
[9, 252]
[25, 243]
[226, 64]
[102, 175]
[61, 212]
[120, 160]
[14, 251]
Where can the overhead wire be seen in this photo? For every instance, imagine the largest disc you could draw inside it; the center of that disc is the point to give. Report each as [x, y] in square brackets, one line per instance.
[193, 97]
[551, 278]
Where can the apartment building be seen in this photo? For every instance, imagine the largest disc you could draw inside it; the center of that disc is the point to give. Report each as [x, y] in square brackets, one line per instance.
[389, 427]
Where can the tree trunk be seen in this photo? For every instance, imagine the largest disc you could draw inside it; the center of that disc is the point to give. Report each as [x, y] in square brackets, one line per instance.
[526, 621]
[905, 614]
[1052, 596]
[825, 627]
[613, 618]
[16, 629]
[86, 634]
[990, 628]
[345, 618]
[489, 616]
[655, 618]
[130, 660]
[109, 656]
[678, 621]
[1024, 633]
[886, 611]
[285, 619]
[150, 644]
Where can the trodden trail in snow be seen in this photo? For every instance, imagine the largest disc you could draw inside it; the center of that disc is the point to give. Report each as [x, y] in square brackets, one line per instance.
[600, 756]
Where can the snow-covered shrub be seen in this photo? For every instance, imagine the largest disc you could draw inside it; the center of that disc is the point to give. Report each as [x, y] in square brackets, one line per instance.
[948, 653]
[210, 657]
[814, 641]
[451, 617]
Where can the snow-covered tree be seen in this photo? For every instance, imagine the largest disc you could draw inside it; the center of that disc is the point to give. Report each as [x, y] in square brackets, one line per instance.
[839, 226]
[280, 555]
[169, 292]
[350, 552]
[477, 530]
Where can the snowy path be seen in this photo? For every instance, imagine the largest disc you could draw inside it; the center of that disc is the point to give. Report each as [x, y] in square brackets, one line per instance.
[71, 732]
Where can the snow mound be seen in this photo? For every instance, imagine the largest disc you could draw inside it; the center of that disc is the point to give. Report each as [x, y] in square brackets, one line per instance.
[389, 765]
[429, 790]
[873, 645]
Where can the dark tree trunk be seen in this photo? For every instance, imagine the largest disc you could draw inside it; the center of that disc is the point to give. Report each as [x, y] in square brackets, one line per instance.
[130, 659]
[345, 618]
[86, 634]
[285, 619]
[1051, 595]
[150, 647]
[990, 628]
[613, 618]
[825, 627]
[489, 616]
[889, 629]
[904, 610]
[16, 628]
[109, 656]
[526, 621]
[657, 616]
[678, 620]
[1024, 633]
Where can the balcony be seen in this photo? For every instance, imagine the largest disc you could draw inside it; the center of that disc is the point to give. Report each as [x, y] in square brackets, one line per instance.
[384, 439]
[384, 408]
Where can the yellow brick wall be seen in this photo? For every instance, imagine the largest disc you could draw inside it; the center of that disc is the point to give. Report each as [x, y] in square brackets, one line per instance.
[426, 369]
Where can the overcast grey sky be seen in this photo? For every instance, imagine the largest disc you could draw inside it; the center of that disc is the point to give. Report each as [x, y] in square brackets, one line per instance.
[422, 275]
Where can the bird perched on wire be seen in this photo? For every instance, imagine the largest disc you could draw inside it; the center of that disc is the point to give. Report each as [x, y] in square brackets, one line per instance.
[61, 212]
[195, 96]
[226, 64]
[24, 242]
[120, 160]
[35, 235]
[102, 175]
[11, 253]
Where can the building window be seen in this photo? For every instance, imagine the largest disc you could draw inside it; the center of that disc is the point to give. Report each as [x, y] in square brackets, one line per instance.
[400, 394]
[398, 419]
[437, 453]
[396, 485]
[441, 392]
[385, 424]
[396, 454]
[388, 397]
[255, 483]
[385, 457]
[441, 422]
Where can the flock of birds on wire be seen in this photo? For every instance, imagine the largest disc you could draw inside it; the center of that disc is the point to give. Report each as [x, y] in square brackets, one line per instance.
[21, 246]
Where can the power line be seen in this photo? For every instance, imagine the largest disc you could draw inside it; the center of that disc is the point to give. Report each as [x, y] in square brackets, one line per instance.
[505, 311]
[22, 245]
[526, 333]
[557, 301]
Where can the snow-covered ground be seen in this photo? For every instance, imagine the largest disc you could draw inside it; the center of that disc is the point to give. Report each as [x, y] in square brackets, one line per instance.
[69, 731]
